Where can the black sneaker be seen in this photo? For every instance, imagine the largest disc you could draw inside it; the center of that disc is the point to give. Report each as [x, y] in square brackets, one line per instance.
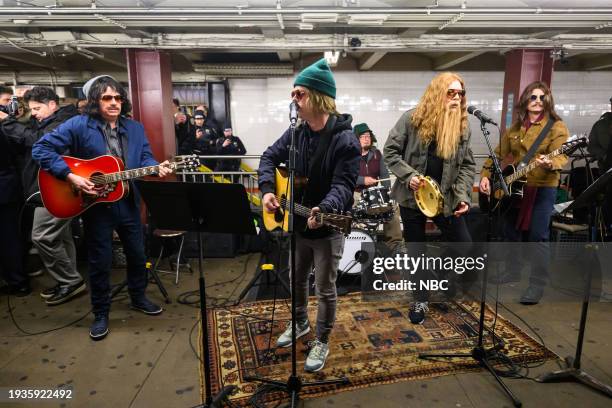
[417, 312]
[65, 293]
[99, 327]
[145, 306]
[49, 292]
[532, 295]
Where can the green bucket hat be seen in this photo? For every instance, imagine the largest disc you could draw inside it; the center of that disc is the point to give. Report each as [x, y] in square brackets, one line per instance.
[318, 76]
[361, 128]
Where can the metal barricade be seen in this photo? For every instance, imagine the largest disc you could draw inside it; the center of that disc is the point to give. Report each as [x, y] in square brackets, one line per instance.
[245, 176]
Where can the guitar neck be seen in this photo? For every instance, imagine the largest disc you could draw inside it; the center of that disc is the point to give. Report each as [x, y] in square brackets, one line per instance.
[127, 174]
[523, 171]
[302, 210]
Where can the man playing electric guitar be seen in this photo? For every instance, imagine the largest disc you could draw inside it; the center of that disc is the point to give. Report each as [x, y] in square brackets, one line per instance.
[529, 219]
[104, 129]
[328, 154]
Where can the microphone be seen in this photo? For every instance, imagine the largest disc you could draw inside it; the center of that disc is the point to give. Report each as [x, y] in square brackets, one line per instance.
[480, 115]
[293, 112]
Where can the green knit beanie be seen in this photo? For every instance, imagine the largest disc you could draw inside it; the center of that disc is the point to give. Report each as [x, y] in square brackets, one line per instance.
[317, 76]
[361, 128]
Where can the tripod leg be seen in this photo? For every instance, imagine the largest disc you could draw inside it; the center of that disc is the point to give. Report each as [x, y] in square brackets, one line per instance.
[515, 400]
[160, 285]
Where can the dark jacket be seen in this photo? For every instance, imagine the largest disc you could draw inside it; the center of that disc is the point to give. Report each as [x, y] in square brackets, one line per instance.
[406, 157]
[10, 182]
[84, 137]
[372, 165]
[599, 141]
[337, 174]
[235, 148]
[24, 136]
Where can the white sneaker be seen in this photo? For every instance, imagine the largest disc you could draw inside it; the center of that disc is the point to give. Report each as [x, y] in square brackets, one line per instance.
[316, 357]
[285, 339]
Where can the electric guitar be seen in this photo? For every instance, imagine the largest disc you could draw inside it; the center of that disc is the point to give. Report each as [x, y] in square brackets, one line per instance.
[280, 218]
[516, 179]
[108, 174]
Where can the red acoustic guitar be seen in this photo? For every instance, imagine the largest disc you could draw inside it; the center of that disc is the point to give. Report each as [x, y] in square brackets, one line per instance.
[106, 172]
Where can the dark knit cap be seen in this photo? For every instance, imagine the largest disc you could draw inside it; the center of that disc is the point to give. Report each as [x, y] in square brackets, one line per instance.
[318, 76]
[199, 114]
[361, 128]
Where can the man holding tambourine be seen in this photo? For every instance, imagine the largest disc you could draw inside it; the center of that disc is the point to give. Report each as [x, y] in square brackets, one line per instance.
[431, 144]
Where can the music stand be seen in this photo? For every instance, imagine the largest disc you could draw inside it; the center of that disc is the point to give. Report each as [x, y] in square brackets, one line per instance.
[572, 370]
[199, 207]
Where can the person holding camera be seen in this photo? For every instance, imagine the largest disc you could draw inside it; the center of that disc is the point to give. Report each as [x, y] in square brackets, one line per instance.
[11, 266]
[202, 140]
[229, 145]
[51, 236]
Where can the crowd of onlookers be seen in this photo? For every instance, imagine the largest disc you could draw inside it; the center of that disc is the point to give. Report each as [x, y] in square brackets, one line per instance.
[200, 134]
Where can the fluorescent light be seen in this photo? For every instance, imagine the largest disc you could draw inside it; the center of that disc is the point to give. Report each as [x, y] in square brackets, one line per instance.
[367, 19]
[319, 18]
[305, 26]
[21, 22]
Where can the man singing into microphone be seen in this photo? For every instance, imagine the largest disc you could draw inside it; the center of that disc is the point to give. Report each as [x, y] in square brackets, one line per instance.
[328, 154]
[529, 219]
[433, 140]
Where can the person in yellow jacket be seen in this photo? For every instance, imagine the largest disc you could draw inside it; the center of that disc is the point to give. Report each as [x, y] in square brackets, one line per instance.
[529, 219]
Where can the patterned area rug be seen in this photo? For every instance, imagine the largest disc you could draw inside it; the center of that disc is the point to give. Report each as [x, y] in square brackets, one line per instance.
[372, 343]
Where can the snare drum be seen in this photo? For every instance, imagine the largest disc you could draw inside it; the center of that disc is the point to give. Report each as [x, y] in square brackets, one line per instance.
[376, 200]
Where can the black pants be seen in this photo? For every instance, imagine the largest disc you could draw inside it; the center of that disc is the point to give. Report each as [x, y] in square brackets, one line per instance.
[454, 229]
[11, 263]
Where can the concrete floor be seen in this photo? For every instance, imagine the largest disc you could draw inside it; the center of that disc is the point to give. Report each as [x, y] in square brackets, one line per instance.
[147, 361]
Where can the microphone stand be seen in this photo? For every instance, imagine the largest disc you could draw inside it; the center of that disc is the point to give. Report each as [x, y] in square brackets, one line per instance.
[479, 353]
[294, 383]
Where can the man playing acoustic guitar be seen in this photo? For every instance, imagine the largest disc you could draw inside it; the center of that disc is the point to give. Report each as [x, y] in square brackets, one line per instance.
[433, 140]
[529, 219]
[105, 130]
[328, 153]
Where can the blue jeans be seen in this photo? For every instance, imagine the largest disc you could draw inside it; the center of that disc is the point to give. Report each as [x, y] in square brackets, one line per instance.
[537, 254]
[99, 222]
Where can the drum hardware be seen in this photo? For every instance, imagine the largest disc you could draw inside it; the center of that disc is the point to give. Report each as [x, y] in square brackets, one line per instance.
[429, 198]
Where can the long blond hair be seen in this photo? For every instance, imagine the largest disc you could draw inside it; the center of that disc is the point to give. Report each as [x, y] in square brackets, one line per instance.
[429, 115]
[321, 103]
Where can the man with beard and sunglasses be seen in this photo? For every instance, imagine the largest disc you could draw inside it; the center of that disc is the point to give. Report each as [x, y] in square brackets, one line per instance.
[433, 140]
[529, 219]
[328, 153]
[102, 130]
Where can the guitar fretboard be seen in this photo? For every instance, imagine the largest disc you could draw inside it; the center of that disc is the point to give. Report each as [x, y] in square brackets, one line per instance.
[523, 171]
[300, 209]
[127, 174]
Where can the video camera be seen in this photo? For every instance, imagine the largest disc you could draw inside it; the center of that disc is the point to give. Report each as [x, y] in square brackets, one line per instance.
[11, 108]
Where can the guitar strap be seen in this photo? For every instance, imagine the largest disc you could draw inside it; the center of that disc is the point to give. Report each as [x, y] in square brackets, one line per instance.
[536, 143]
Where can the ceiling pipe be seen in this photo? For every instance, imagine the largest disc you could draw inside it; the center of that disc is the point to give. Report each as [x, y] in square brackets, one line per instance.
[84, 11]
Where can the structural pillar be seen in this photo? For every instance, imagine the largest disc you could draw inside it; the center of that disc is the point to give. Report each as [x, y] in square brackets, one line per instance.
[522, 68]
[150, 78]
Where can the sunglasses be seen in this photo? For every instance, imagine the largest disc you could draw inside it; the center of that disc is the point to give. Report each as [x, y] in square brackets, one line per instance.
[452, 92]
[297, 94]
[108, 98]
[534, 98]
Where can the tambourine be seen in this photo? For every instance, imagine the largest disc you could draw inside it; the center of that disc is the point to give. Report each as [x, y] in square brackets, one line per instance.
[429, 198]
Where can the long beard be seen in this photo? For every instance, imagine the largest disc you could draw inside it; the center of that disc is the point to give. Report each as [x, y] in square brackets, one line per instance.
[448, 133]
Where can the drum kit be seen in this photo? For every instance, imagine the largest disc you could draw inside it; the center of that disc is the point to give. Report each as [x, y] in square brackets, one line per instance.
[375, 208]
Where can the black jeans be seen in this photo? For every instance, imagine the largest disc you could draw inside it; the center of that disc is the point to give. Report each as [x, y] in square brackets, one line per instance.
[99, 222]
[11, 262]
[454, 229]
